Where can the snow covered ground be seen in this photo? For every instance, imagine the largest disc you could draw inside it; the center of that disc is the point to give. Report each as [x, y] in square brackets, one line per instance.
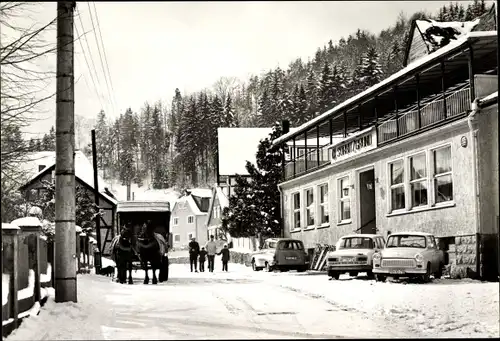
[246, 304]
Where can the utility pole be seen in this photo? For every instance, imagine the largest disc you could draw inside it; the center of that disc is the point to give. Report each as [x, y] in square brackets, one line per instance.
[96, 198]
[65, 237]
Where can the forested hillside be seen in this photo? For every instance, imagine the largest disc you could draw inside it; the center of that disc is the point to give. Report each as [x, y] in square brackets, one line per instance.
[176, 145]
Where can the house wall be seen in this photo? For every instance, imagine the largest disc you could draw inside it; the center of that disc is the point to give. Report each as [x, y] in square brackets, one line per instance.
[418, 48]
[182, 210]
[109, 209]
[452, 219]
[487, 135]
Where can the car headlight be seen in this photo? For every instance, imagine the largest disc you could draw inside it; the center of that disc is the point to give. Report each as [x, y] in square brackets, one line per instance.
[419, 258]
[377, 256]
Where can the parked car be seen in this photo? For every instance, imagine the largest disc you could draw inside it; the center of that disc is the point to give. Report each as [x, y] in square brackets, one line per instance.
[409, 254]
[353, 254]
[281, 254]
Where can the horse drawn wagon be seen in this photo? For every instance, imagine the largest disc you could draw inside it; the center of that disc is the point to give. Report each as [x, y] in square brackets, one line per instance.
[144, 239]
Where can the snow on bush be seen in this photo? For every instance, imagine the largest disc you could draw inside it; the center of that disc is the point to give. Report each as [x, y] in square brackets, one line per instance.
[48, 229]
[27, 221]
[5, 288]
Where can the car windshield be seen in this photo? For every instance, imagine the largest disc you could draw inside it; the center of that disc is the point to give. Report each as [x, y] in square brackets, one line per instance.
[407, 240]
[356, 243]
[271, 245]
[290, 245]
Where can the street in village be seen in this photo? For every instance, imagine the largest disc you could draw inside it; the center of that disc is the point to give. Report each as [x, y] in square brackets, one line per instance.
[245, 304]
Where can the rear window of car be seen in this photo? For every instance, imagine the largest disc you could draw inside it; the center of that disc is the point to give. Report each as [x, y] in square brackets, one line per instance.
[356, 243]
[407, 241]
[290, 245]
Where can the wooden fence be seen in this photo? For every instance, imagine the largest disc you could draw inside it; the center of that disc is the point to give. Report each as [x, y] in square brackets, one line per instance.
[27, 272]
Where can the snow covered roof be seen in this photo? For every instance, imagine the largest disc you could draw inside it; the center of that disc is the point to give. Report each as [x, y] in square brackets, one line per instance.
[27, 221]
[83, 171]
[158, 195]
[223, 199]
[488, 100]
[437, 34]
[201, 192]
[419, 63]
[237, 146]
[10, 226]
[143, 206]
[195, 208]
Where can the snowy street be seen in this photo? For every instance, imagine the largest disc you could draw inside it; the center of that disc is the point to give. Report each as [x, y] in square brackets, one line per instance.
[246, 304]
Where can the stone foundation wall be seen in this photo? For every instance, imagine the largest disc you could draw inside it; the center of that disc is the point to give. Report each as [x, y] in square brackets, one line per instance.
[462, 257]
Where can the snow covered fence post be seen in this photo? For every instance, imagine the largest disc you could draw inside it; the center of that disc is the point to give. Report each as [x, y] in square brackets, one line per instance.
[78, 230]
[31, 228]
[10, 250]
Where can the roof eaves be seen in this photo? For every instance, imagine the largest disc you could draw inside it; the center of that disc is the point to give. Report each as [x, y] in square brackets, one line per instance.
[420, 63]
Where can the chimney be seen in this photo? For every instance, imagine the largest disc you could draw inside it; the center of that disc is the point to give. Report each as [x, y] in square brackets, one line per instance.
[285, 125]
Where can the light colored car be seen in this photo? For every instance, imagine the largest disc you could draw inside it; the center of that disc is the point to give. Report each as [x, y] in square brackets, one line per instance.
[409, 254]
[353, 254]
[281, 254]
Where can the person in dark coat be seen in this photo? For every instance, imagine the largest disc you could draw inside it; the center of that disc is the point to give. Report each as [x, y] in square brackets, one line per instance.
[225, 257]
[203, 255]
[194, 250]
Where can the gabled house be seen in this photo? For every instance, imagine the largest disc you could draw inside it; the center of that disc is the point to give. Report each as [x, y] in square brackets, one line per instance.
[84, 176]
[189, 217]
[219, 201]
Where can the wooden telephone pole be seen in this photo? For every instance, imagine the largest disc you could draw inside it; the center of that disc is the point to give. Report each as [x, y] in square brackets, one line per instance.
[65, 236]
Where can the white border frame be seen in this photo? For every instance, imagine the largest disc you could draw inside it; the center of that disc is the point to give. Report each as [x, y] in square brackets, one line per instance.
[408, 199]
[431, 175]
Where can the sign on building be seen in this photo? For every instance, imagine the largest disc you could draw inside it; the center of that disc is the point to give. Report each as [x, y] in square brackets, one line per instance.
[355, 145]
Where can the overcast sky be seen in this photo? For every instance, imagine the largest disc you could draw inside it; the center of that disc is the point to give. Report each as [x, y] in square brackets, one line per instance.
[152, 48]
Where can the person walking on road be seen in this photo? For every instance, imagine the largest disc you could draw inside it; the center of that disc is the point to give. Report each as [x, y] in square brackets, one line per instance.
[203, 254]
[194, 250]
[225, 257]
[211, 248]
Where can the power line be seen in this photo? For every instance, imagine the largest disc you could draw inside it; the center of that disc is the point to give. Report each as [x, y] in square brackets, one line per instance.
[100, 55]
[90, 71]
[104, 51]
[90, 52]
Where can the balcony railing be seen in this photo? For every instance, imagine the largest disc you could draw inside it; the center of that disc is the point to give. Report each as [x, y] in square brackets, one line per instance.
[313, 162]
[456, 104]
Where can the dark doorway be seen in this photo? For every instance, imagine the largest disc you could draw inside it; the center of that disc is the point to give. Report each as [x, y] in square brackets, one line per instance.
[367, 202]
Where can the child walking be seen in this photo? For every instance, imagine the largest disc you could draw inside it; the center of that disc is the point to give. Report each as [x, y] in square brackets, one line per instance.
[202, 256]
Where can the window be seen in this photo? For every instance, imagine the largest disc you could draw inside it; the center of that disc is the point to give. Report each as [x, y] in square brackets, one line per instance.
[418, 180]
[290, 245]
[190, 219]
[176, 221]
[407, 241]
[296, 210]
[396, 171]
[356, 243]
[345, 200]
[324, 217]
[443, 182]
[177, 237]
[310, 207]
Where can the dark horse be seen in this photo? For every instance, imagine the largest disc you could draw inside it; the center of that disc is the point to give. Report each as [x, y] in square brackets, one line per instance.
[123, 254]
[152, 248]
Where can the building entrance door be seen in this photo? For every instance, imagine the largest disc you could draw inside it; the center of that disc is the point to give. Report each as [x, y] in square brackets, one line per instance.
[367, 202]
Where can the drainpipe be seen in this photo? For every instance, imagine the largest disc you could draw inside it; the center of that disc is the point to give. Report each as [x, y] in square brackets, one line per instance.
[281, 213]
[473, 128]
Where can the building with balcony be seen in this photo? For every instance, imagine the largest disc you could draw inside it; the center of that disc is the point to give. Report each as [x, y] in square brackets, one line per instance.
[417, 151]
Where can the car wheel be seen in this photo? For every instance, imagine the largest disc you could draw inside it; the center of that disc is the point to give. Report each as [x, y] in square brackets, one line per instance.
[439, 273]
[334, 274]
[353, 274]
[427, 277]
[370, 274]
[302, 269]
[380, 278]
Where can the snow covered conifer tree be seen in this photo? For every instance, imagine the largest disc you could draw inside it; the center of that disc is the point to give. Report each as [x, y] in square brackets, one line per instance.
[370, 71]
